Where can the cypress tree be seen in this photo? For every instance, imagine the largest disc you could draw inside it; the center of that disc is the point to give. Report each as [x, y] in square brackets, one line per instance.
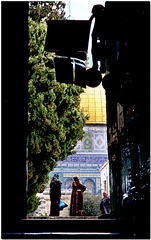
[55, 121]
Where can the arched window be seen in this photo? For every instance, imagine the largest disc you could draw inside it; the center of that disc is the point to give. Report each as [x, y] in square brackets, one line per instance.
[90, 185]
[69, 184]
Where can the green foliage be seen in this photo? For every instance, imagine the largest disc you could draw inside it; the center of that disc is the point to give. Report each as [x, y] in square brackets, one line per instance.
[32, 203]
[91, 204]
[54, 116]
[47, 10]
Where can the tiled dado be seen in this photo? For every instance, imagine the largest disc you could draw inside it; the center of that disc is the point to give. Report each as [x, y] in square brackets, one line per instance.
[81, 175]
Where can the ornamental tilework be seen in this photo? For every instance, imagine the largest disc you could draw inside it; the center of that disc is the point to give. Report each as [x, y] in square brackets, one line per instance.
[94, 140]
[90, 155]
[98, 184]
[99, 142]
[87, 141]
[81, 175]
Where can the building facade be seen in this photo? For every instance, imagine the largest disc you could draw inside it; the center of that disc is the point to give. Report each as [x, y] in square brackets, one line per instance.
[128, 122]
[91, 152]
[105, 183]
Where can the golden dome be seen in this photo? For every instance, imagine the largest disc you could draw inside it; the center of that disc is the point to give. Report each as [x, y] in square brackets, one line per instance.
[93, 104]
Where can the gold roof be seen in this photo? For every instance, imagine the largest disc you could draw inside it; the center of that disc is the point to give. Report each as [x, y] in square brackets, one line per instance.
[93, 104]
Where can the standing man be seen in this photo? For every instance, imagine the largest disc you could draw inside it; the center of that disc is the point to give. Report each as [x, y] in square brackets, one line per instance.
[105, 209]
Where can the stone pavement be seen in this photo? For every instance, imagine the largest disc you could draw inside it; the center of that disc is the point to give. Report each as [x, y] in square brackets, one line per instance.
[64, 217]
[44, 207]
[66, 211]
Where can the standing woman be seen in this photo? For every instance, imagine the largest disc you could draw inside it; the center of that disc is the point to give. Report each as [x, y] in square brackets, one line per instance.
[76, 207]
[55, 195]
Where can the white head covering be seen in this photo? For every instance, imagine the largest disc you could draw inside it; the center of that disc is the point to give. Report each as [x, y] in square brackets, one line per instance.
[55, 178]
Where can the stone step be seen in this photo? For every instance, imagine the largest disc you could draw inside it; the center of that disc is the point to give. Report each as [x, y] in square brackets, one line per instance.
[73, 227]
[66, 217]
